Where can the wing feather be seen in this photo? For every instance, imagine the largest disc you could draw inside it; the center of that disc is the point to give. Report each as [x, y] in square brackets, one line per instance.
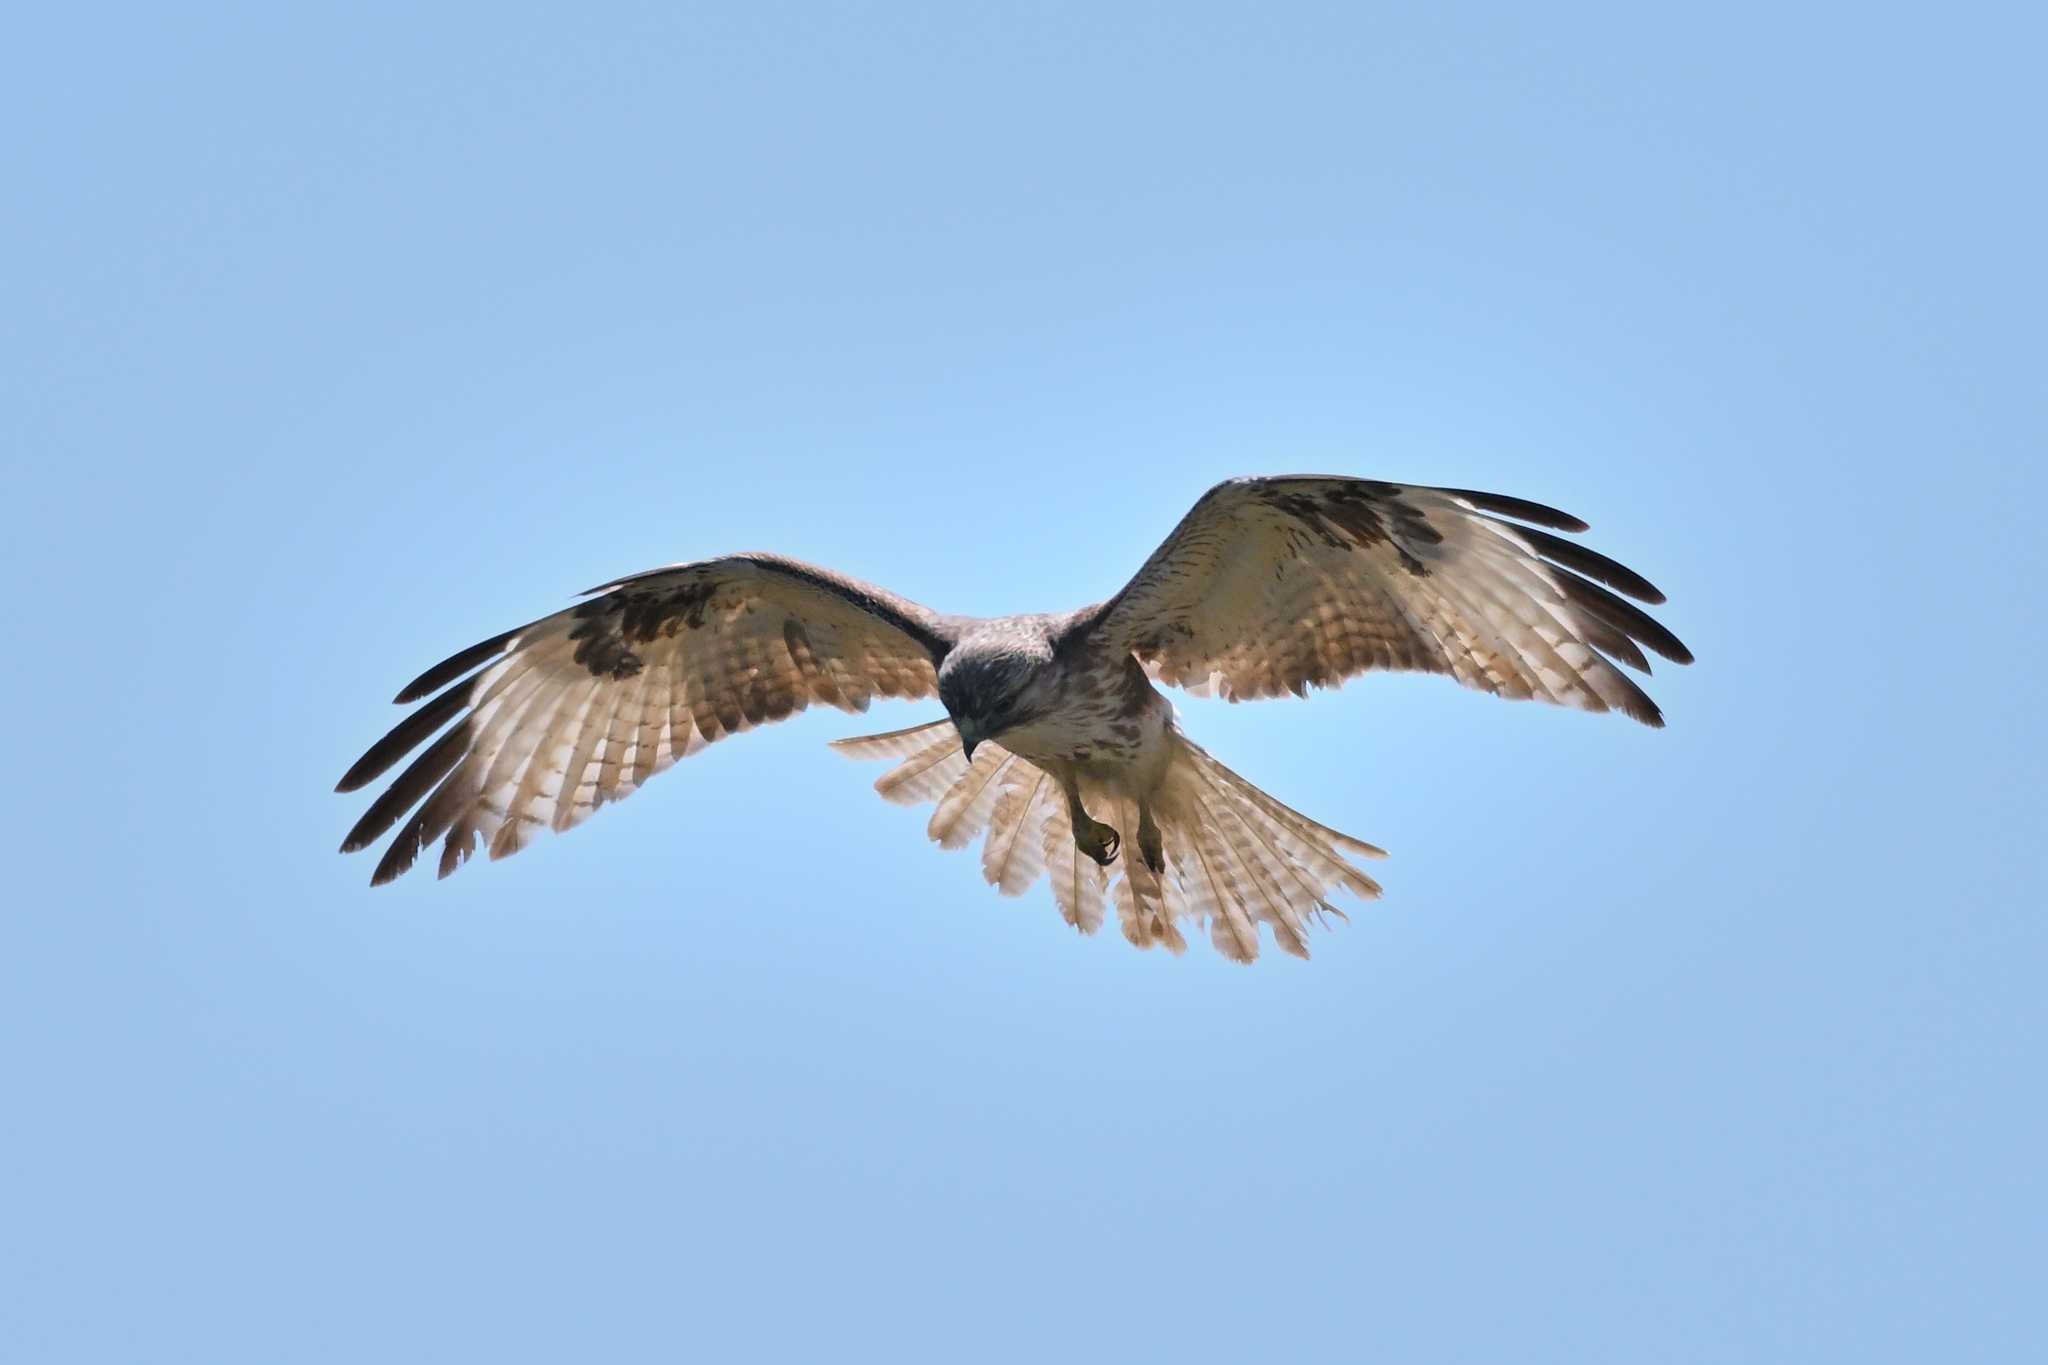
[1272, 586]
[546, 723]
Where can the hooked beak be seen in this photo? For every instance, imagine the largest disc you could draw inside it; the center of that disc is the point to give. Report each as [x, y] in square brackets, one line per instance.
[970, 737]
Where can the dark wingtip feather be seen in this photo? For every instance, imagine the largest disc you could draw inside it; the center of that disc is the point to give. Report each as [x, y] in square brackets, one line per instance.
[1622, 614]
[431, 821]
[398, 859]
[1591, 563]
[1521, 508]
[1617, 645]
[1667, 644]
[451, 668]
[1637, 706]
[403, 736]
[411, 785]
[455, 851]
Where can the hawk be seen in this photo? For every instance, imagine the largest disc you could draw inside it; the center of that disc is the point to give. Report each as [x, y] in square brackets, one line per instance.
[1057, 748]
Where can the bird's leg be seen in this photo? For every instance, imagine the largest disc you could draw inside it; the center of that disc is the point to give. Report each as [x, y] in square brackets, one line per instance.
[1150, 846]
[1091, 836]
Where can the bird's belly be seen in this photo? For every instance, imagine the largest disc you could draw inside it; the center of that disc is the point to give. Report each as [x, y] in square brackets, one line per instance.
[1109, 743]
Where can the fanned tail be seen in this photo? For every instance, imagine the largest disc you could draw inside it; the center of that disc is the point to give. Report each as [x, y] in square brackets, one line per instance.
[1235, 857]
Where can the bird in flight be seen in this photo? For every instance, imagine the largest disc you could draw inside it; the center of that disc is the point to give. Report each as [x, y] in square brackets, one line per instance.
[1057, 749]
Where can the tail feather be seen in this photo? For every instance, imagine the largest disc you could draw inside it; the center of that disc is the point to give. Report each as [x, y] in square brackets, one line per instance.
[1294, 868]
[964, 811]
[1147, 904]
[1235, 856]
[1013, 854]
[893, 743]
[1315, 846]
[926, 772]
[1078, 883]
[1288, 814]
[1216, 896]
[1260, 877]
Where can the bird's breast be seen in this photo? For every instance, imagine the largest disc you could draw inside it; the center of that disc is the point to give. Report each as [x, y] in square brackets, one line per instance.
[1104, 728]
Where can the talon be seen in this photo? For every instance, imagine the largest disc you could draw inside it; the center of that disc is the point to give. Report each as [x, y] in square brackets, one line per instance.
[1098, 841]
[1149, 843]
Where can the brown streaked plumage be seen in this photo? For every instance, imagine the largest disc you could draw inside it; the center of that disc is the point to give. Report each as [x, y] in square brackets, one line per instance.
[1057, 746]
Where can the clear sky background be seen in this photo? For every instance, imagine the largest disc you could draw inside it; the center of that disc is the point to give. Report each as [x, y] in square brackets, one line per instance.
[338, 338]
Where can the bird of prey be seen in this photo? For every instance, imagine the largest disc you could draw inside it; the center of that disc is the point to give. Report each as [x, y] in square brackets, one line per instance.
[1057, 748]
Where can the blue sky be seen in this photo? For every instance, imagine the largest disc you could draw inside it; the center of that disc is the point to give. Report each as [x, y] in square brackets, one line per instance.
[337, 338]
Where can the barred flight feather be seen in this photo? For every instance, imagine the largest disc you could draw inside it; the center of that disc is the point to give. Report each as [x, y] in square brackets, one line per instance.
[583, 707]
[1273, 586]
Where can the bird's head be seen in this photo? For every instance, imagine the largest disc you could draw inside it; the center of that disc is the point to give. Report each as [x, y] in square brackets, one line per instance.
[995, 682]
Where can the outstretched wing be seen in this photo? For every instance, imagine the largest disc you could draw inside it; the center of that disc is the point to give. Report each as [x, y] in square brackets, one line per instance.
[581, 707]
[1273, 585]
